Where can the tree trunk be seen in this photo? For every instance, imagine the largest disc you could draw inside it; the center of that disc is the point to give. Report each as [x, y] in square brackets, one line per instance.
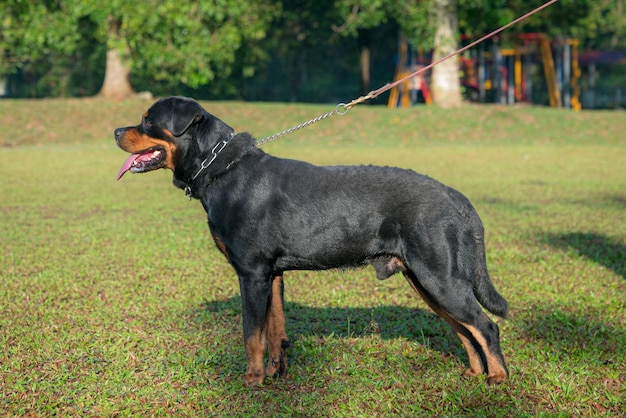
[116, 83]
[364, 59]
[446, 84]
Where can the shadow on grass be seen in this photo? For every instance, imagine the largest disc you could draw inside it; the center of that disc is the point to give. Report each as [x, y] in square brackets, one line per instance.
[576, 333]
[318, 373]
[389, 322]
[601, 249]
[508, 206]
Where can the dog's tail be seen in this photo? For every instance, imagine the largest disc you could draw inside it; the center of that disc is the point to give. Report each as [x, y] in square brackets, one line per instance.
[484, 291]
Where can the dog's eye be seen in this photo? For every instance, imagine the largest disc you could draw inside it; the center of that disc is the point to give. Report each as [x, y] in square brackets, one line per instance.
[147, 123]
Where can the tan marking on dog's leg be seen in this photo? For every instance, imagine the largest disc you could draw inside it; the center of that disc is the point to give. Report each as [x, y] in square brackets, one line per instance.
[220, 245]
[255, 348]
[408, 279]
[496, 370]
[476, 364]
[276, 333]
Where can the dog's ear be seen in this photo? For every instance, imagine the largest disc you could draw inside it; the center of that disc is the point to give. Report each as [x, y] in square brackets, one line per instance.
[186, 113]
[218, 129]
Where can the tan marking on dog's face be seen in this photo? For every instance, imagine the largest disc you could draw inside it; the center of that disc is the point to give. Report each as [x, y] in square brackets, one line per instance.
[134, 142]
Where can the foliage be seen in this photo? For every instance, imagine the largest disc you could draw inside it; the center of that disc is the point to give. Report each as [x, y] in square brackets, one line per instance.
[56, 47]
[212, 49]
[600, 24]
[32, 29]
[597, 24]
[171, 42]
[115, 302]
[413, 17]
[300, 37]
[193, 43]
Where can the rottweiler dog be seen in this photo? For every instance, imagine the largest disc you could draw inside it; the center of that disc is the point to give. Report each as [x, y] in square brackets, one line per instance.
[269, 215]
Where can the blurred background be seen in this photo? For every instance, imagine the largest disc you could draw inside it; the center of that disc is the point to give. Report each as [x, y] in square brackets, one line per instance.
[572, 54]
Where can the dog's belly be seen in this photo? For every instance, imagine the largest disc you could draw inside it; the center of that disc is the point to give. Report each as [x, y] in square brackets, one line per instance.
[322, 259]
[329, 243]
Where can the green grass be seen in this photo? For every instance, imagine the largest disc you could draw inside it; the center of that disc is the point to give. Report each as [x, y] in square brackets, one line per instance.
[113, 300]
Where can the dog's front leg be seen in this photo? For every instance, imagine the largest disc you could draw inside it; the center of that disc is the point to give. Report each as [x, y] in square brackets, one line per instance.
[276, 333]
[255, 294]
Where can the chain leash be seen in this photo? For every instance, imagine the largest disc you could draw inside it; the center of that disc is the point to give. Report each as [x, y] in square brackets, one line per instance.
[342, 108]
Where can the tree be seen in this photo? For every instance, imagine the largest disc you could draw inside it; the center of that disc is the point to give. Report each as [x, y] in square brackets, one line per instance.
[437, 24]
[300, 36]
[116, 84]
[33, 33]
[188, 45]
[596, 23]
[172, 42]
[358, 18]
[414, 20]
[445, 85]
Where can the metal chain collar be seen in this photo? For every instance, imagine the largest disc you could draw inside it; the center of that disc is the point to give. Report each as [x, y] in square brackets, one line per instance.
[207, 162]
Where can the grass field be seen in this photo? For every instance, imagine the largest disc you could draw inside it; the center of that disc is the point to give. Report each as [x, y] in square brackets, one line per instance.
[114, 302]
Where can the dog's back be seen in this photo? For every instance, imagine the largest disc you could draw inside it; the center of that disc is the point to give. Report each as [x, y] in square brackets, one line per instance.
[313, 217]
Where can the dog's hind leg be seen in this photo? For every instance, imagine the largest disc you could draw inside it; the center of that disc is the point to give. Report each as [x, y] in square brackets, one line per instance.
[476, 362]
[479, 335]
[276, 333]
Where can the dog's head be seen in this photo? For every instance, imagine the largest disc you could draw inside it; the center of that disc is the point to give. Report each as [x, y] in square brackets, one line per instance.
[175, 133]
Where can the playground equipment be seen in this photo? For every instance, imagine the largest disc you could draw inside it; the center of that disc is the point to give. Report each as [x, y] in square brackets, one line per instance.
[502, 75]
[604, 80]
[561, 70]
[407, 93]
[508, 74]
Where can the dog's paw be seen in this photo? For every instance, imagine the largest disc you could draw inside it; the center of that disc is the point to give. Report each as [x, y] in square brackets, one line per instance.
[254, 378]
[471, 373]
[277, 367]
[496, 379]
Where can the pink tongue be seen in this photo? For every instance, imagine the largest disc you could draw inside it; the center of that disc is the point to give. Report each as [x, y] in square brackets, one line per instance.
[126, 166]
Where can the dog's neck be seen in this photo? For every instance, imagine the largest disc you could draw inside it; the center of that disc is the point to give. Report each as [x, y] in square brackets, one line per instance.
[216, 162]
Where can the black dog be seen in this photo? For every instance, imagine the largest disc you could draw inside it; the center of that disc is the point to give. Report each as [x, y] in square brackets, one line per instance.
[268, 215]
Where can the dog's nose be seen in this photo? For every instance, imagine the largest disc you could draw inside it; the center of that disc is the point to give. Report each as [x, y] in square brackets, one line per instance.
[118, 133]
